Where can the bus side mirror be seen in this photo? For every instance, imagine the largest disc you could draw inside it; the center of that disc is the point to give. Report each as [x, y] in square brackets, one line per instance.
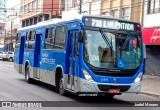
[80, 37]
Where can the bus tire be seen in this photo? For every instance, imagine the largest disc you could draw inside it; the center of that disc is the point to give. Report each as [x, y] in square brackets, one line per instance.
[61, 89]
[27, 74]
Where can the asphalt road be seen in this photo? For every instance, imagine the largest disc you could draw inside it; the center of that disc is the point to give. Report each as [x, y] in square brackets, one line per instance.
[13, 87]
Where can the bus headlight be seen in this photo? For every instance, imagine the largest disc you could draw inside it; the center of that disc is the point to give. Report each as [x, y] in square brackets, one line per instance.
[138, 77]
[87, 75]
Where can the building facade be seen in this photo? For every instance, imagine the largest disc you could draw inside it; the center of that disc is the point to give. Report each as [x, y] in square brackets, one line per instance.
[2, 19]
[87, 6]
[3, 11]
[12, 23]
[151, 35]
[34, 11]
[151, 22]
[2, 25]
[126, 9]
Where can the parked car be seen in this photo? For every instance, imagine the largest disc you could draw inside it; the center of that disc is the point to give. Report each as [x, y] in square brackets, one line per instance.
[9, 56]
[1, 53]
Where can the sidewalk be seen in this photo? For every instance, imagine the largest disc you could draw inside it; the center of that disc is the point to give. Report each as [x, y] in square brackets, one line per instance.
[151, 85]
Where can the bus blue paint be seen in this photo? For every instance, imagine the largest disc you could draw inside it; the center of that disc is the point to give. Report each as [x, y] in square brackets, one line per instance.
[48, 55]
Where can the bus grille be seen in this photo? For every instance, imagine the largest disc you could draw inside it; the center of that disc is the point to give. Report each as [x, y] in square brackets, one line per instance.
[106, 88]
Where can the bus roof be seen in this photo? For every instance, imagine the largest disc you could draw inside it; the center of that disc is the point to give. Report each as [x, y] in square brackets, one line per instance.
[48, 22]
[78, 17]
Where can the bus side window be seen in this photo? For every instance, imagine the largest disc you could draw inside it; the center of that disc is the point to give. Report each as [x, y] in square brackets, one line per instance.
[60, 39]
[49, 38]
[27, 39]
[31, 40]
[33, 36]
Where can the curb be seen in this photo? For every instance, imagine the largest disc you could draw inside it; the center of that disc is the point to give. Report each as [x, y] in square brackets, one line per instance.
[149, 94]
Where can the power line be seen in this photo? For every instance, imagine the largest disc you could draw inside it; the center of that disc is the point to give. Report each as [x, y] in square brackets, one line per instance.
[133, 5]
[77, 5]
[58, 8]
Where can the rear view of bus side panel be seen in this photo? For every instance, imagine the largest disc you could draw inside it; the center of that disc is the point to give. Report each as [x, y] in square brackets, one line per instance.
[32, 52]
[28, 52]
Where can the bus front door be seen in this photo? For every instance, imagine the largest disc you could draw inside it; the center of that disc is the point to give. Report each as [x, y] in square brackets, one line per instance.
[72, 60]
[21, 54]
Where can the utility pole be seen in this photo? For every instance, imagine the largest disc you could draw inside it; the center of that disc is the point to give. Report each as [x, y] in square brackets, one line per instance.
[11, 45]
[4, 36]
[52, 10]
[80, 7]
[90, 7]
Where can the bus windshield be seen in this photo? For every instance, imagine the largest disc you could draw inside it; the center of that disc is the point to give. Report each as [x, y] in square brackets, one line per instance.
[103, 49]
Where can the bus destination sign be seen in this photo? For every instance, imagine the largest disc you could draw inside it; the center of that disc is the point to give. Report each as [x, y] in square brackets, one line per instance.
[108, 23]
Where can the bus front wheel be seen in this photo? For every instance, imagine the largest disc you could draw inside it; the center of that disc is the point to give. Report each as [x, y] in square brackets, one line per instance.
[61, 86]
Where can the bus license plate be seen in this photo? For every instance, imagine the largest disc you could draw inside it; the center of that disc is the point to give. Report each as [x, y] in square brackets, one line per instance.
[114, 91]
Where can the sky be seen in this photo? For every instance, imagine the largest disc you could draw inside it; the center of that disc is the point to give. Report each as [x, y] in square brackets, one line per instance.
[9, 4]
[12, 3]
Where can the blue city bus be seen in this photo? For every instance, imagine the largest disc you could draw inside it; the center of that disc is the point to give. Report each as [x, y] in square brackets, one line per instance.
[87, 55]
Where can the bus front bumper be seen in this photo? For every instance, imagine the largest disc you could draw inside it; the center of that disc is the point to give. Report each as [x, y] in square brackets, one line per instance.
[86, 86]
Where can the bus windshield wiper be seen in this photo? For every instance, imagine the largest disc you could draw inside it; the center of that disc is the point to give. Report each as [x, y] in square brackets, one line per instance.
[109, 44]
[125, 43]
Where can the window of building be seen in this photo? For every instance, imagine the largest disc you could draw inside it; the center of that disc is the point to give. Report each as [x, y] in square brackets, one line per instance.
[93, 0]
[39, 4]
[115, 13]
[23, 23]
[63, 4]
[26, 8]
[46, 17]
[126, 13]
[49, 38]
[23, 10]
[74, 3]
[40, 18]
[30, 7]
[34, 5]
[61, 33]
[153, 6]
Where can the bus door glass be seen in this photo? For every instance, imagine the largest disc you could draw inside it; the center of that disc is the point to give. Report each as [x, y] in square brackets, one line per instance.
[37, 52]
[21, 54]
[72, 58]
[29, 47]
[20, 47]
